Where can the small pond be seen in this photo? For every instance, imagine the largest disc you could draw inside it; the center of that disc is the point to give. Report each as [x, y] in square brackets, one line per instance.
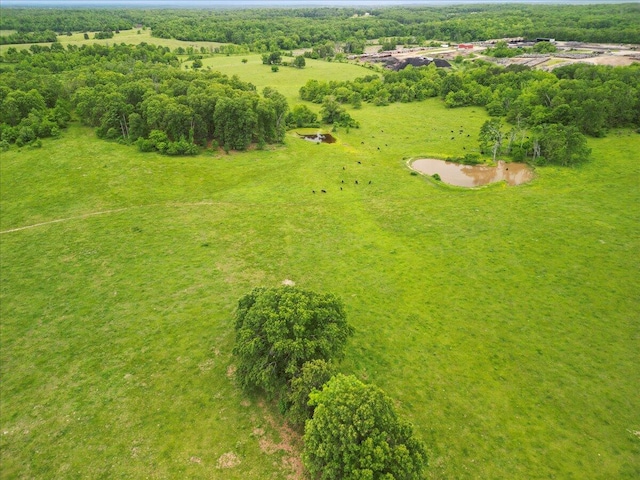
[319, 138]
[474, 175]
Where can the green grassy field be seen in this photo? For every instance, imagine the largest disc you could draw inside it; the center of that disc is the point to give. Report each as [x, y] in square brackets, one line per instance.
[503, 320]
[125, 36]
[287, 80]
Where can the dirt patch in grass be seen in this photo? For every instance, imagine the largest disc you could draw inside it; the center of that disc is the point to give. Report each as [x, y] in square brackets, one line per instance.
[290, 443]
[228, 460]
[612, 60]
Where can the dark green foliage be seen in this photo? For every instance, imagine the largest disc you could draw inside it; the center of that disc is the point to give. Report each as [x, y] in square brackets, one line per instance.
[502, 50]
[299, 62]
[355, 433]
[313, 375]
[234, 121]
[331, 109]
[158, 141]
[388, 44]
[287, 29]
[302, 116]
[491, 137]
[561, 145]
[105, 34]
[46, 36]
[278, 330]
[544, 47]
[129, 94]
[273, 58]
[333, 112]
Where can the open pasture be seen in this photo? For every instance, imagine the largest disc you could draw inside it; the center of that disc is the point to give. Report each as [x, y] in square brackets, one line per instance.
[503, 320]
[129, 37]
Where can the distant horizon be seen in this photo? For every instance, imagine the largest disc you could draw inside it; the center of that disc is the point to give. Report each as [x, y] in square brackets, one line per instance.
[212, 4]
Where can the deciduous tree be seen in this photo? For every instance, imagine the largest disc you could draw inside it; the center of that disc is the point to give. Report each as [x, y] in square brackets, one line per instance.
[280, 329]
[355, 433]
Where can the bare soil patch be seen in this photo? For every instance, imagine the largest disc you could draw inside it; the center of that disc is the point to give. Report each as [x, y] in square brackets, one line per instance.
[228, 460]
[290, 443]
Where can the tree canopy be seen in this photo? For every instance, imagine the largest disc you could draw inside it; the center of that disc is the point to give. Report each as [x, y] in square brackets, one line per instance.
[355, 433]
[134, 94]
[280, 329]
[286, 29]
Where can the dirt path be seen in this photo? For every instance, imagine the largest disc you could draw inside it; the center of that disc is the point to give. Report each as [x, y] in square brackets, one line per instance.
[106, 212]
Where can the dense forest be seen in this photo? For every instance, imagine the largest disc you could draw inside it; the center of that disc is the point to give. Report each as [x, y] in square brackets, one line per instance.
[133, 94]
[270, 29]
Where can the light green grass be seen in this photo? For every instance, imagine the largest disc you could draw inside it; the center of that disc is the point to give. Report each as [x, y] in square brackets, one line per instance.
[504, 321]
[287, 80]
[130, 37]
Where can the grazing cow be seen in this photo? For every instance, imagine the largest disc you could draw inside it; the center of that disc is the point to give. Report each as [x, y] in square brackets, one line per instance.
[361, 143]
[313, 191]
[369, 182]
[453, 138]
[356, 182]
[343, 168]
[340, 188]
[464, 148]
[359, 162]
[468, 135]
[342, 181]
[323, 191]
[378, 148]
[451, 131]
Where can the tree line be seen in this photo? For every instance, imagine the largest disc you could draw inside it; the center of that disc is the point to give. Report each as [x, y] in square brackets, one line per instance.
[134, 94]
[285, 29]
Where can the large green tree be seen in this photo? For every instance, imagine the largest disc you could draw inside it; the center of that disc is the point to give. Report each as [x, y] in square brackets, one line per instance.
[355, 433]
[280, 329]
[561, 145]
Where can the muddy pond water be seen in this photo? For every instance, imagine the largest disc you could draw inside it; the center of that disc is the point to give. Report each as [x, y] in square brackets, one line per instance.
[474, 175]
[319, 138]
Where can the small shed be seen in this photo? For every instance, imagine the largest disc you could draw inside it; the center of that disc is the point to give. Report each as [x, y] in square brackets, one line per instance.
[441, 63]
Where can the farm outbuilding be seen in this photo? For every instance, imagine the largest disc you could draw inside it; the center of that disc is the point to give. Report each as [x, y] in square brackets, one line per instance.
[396, 64]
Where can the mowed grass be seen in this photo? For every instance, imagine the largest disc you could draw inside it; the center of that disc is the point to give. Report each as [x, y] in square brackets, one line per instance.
[287, 80]
[129, 37]
[503, 321]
